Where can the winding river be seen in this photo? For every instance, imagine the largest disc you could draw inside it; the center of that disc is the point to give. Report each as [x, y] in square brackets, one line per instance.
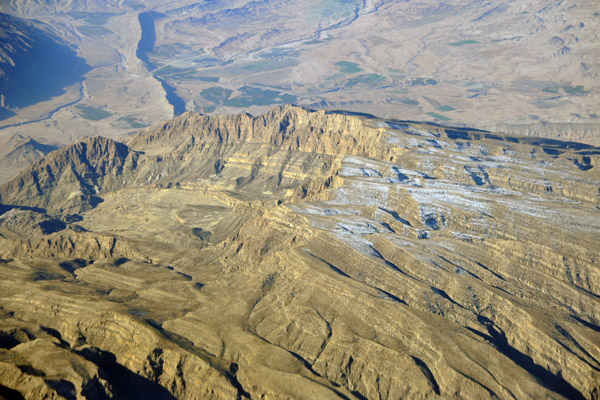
[145, 45]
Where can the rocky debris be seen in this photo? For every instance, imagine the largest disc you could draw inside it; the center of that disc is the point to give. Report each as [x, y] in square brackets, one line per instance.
[68, 244]
[28, 223]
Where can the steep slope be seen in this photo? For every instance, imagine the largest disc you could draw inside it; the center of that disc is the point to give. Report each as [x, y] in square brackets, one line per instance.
[304, 254]
[21, 150]
[68, 179]
[18, 152]
[35, 64]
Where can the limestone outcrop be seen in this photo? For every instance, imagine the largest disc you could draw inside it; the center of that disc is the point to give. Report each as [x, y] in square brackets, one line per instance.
[303, 254]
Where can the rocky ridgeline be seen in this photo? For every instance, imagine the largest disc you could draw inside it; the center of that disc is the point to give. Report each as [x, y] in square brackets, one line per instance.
[161, 154]
[303, 254]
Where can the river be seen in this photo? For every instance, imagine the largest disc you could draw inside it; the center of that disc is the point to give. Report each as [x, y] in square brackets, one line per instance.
[145, 45]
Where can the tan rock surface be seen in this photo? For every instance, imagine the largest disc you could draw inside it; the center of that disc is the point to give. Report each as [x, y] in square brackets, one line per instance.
[304, 254]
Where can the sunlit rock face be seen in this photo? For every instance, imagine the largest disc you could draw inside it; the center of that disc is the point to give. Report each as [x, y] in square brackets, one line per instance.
[303, 254]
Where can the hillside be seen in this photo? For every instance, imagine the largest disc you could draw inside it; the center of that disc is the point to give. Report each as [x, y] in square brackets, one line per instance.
[35, 65]
[303, 254]
[18, 152]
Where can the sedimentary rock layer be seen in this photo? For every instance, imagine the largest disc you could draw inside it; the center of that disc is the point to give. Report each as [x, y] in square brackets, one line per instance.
[303, 254]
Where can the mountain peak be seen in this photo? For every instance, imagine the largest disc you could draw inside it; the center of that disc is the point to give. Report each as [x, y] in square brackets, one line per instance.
[77, 171]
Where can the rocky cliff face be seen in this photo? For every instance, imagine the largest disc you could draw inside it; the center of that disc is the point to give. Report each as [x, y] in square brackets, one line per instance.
[303, 254]
[69, 179]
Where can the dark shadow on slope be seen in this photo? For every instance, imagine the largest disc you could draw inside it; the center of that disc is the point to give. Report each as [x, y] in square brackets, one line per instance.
[351, 113]
[42, 65]
[401, 177]
[585, 164]
[44, 148]
[73, 265]
[586, 323]
[390, 264]
[30, 370]
[6, 114]
[395, 215]
[388, 296]
[490, 271]
[431, 222]
[8, 393]
[388, 227]
[8, 341]
[63, 387]
[382, 293]
[51, 226]
[574, 341]
[7, 207]
[333, 267]
[428, 374]
[46, 276]
[211, 359]
[546, 378]
[557, 144]
[125, 383]
[455, 134]
[445, 296]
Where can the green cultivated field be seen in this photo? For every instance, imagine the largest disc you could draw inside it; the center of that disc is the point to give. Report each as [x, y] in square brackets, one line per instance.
[92, 18]
[170, 50]
[423, 82]
[464, 42]
[409, 102]
[93, 30]
[571, 90]
[132, 122]
[216, 94]
[348, 67]
[249, 96]
[334, 9]
[438, 116]
[365, 79]
[92, 113]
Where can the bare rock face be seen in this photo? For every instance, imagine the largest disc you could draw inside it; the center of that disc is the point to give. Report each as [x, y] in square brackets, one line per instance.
[69, 179]
[303, 254]
[18, 152]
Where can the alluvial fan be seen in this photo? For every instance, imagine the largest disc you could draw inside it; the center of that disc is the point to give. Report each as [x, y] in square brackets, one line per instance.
[303, 254]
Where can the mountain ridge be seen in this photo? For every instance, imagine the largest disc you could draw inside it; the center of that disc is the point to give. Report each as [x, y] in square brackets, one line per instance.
[288, 128]
[304, 253]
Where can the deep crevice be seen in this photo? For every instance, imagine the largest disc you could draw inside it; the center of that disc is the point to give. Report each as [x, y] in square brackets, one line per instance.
[428, 374]
[551, 381]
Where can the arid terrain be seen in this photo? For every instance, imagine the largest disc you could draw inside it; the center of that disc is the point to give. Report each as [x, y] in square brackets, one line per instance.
[527, 67]
[302, 254]
[268, 199]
